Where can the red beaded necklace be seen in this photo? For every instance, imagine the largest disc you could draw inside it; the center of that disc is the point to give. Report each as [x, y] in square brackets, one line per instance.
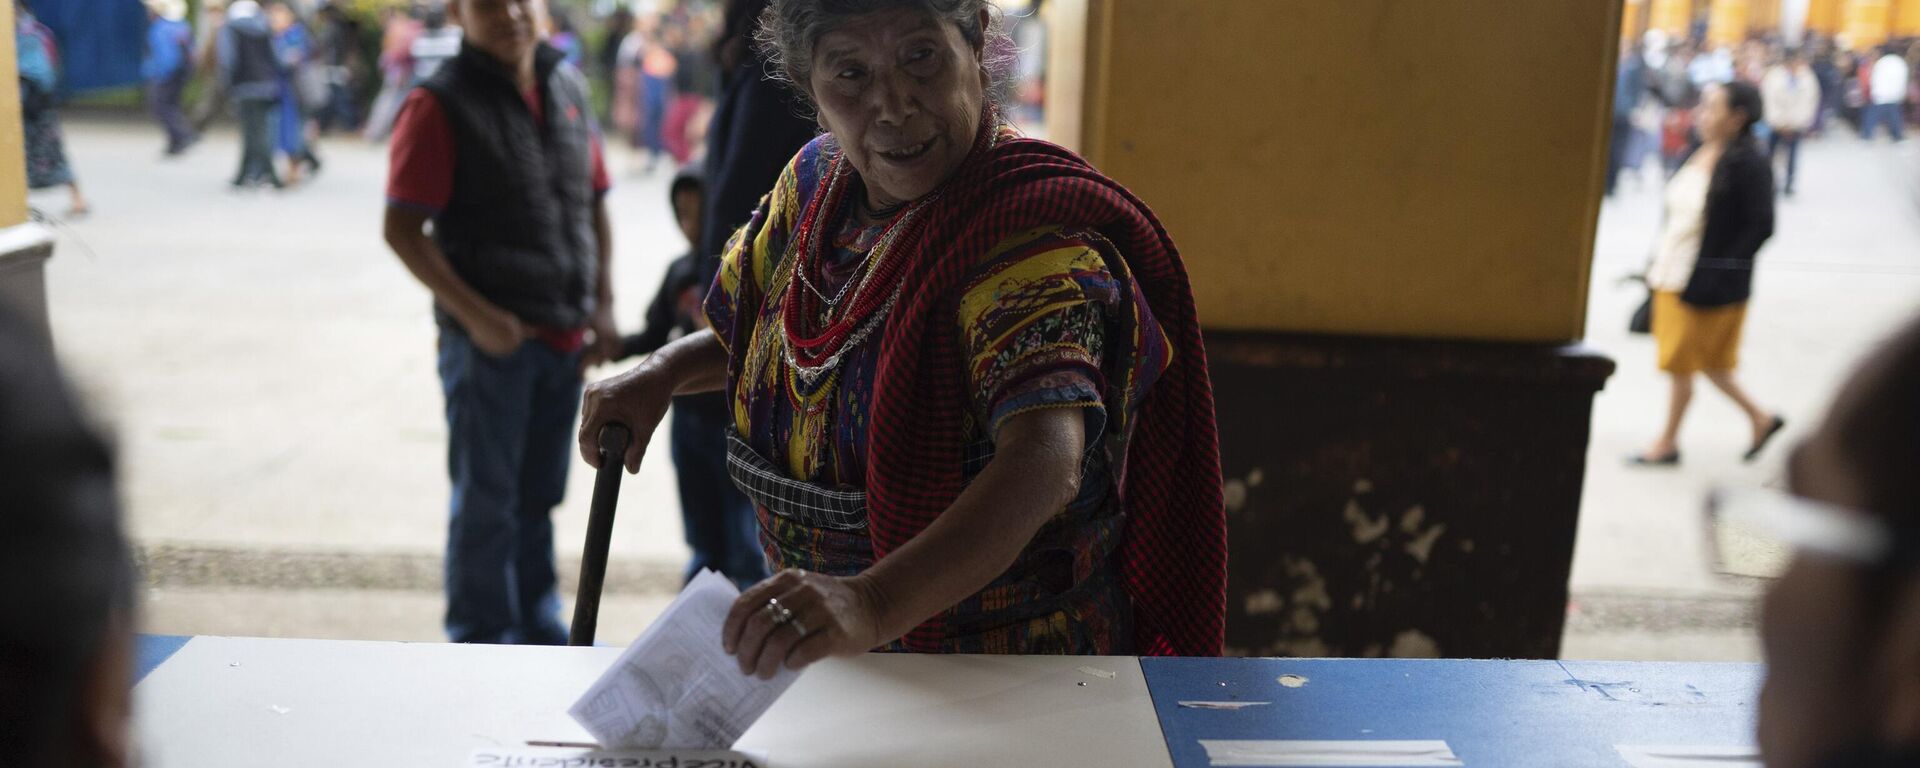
[837, 324]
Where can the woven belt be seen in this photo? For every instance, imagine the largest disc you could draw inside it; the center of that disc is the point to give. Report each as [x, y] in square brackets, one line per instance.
[786, 497]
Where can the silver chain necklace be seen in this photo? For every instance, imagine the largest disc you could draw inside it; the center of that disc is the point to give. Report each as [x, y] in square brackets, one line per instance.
[811, 373]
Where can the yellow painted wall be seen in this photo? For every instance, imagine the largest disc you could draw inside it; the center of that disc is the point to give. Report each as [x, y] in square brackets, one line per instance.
[1865, 22]
[1633, 20]
[1067, 71]
[1823, 16]
[1374, 167]
[1671, 17]
[1727, 22]
[1764, 16]
[13, 153]
[1906, 18]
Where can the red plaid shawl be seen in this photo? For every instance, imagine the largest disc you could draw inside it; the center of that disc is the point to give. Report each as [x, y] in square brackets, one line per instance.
[1173, 556]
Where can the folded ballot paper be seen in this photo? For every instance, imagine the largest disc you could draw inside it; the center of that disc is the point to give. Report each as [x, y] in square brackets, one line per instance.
[675, 687]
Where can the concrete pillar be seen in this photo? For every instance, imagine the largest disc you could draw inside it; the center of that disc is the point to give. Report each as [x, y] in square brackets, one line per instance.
[1793, 21]
[1674, 17]
[1727, 22]
[1906, 18]
[1391, 257]
[1823, 16]
[1763, 16]
[1068, 69]
[1633, 20]
[24, 246]
[13, 157]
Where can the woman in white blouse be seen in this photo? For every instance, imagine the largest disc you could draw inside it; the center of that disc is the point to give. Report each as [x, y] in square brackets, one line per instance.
[1719, 212]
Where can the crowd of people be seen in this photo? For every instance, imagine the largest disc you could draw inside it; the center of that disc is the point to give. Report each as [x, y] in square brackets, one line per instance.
[937, 387]
[1727, 124]
[290, 78]
[1811, 89]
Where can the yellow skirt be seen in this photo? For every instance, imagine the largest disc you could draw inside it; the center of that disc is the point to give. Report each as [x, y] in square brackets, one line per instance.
[1694, 339]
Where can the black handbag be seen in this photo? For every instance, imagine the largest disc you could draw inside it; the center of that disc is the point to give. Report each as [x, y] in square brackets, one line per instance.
[1642, 321]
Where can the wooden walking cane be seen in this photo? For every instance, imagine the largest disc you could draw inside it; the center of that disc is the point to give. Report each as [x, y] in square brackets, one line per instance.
[593, 559]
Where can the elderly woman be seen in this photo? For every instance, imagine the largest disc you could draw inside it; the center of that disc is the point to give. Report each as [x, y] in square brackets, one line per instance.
[969, 396]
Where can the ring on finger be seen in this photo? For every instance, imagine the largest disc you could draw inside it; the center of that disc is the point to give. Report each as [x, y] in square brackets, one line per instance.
[797, 626]
[777, 613]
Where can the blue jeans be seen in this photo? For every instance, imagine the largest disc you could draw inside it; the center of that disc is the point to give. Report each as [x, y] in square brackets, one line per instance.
[722, 529]
[1790, 141]
[509, 442]
[1874, 114]
[163, 101]
[256, 148]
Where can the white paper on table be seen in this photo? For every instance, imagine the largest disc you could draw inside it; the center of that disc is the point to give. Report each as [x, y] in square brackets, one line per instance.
[1690, 756]
[675, 687]
[550, 757]
[1293, 753]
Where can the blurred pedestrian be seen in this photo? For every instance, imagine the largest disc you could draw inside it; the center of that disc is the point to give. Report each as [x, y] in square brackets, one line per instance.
[693, 83]
[251, 72]
[437, 43]
[758, 126]
[498, 150]
[657, 66]
[1792, 95]
[46, 150]
[1840, 627]
[1826, 72]
[1677, 96]
[1886, 85]
[1709, 67]
[67, 616]
[302, 88]
[165, 69]
[340, 61]
[1719, 211]
[566, 39]
[1629, 87]
[396, 72]
[1913, 82]
[206, 58]
[626, 83]
[618, 25]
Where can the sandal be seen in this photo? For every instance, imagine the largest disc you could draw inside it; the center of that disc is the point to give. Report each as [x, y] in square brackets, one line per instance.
[1761, 444]
[1645, 460]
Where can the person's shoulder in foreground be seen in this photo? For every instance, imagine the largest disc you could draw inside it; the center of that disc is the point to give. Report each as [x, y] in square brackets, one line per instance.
[66, 642]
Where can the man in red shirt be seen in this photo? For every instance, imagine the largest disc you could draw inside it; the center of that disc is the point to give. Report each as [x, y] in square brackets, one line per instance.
[498, 150]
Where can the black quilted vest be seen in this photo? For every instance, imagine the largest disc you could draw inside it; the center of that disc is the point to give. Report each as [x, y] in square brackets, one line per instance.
[519, 227]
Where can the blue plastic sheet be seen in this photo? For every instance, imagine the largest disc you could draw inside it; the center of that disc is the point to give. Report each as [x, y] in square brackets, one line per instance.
[101, 41]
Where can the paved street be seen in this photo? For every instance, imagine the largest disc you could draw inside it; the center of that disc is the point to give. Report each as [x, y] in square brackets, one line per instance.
[267, 368]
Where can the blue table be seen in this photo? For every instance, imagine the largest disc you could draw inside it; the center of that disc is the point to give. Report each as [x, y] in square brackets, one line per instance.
[1487, 713]
[1491, 713]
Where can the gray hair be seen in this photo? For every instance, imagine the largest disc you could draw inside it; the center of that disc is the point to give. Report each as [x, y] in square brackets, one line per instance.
[790, 29]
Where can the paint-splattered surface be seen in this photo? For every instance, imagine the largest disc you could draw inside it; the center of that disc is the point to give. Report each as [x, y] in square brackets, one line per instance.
[1490, 713]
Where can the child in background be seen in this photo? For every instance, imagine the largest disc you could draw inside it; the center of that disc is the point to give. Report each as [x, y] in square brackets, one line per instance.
[721, 526]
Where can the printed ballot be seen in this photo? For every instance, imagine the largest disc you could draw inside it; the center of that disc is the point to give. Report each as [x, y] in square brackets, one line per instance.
[676, 687]
[533, 757]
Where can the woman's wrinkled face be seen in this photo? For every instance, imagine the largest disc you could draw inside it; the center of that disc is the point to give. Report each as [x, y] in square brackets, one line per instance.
[902, 91]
